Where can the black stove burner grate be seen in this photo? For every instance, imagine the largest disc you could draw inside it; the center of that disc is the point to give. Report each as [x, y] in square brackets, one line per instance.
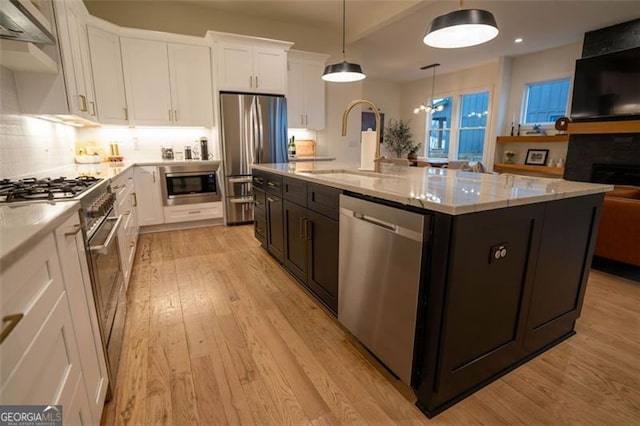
[32, 189]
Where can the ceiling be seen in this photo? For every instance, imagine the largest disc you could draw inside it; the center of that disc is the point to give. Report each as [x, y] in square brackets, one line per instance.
[387, 34]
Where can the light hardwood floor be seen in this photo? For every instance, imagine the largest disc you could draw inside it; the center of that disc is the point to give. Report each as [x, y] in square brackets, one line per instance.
[218, 333]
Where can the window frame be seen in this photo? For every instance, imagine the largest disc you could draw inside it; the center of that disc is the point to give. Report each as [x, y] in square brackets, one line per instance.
[454, 129]
[525, 100]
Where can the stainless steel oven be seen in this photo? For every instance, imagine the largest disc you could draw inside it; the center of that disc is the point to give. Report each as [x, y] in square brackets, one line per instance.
[190, 183]
[101, 226]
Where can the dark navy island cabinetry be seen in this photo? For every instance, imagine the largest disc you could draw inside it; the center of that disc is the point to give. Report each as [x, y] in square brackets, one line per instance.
[497, 287]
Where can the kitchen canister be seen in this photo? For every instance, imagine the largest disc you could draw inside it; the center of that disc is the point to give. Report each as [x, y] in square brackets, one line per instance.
[204, 148]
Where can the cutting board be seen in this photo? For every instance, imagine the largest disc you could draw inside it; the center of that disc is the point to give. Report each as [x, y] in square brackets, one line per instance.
[305, 148]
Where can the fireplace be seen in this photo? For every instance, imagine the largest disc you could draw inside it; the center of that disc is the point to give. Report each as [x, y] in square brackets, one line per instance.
[604, 158]
[616, 174]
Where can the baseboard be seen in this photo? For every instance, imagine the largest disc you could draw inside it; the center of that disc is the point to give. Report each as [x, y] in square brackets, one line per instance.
[180, 225]
[613, 267]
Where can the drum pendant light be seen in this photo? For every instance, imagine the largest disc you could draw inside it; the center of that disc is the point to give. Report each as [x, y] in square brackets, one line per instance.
[343, 72]
[461, 28]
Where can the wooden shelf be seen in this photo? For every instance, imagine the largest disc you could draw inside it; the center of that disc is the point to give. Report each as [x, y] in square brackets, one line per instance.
[553, 171]
[533, 139]
[582, 128]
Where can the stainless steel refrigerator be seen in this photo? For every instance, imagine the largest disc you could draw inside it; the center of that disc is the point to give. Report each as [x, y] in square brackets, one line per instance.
[254, 131]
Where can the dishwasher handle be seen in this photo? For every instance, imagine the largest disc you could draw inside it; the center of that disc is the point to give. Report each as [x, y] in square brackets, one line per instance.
[375, 221]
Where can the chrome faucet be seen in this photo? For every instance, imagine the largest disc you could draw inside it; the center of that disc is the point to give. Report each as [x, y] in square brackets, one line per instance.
[376, 111]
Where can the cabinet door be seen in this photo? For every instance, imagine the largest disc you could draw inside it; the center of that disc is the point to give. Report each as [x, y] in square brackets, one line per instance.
[235, 67]
[75, 272]
[295, 249]
[270, 70]
[275, 227]
[322, 234]
[146, 78]
[191, 93]
[149, 207]
[108, 78]
[73, 51]
[314, 95]
[295, 94]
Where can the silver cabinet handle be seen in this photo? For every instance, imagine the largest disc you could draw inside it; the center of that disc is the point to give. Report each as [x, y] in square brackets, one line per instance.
[154, 176]
[132, 243]
[76, 228]
[271, 184]
[170, 117]
[104, 248]
[93, 108]
[256, 81]
[271, 200]
[83, 103]
[13, 321]
[127, 213]
[175, 115]
[126, 114]
[135, 199]
[118, 187]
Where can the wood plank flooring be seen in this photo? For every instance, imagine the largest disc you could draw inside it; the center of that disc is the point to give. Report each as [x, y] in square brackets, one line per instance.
[217, 333]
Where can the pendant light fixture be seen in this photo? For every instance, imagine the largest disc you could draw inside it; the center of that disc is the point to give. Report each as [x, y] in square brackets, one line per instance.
[432, 107]
[461, 28]
[343, 72]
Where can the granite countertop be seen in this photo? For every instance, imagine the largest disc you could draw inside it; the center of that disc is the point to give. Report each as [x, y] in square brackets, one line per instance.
[447, 191]
[23, 225]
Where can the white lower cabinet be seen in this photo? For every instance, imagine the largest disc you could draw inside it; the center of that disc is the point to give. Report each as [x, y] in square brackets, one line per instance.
[149, 207]
[41, 361]
[190, 212]
[125, 206]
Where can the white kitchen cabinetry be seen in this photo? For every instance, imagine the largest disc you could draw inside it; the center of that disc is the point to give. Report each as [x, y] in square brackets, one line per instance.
[75, 272]
[167, 83]
[191, 212]
[250, 64]
[149, 207]
[108, 79]
[305, 90]
[125, 206]
[72, 36]
[39, 358]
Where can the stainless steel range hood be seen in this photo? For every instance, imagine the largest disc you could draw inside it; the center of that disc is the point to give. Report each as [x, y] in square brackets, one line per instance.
[20, 20]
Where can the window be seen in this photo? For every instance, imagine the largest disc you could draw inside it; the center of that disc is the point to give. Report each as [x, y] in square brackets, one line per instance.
[458, 131]
[473, 122]
[546, 101]
[440, 129]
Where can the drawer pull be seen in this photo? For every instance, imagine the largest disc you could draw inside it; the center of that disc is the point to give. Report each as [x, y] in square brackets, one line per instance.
[115, 188]
[127, 213]
[135, 199]
[271, 200]
[194, 212]
[271, 184]
[76, 228]
[132, 244]
[13, 321]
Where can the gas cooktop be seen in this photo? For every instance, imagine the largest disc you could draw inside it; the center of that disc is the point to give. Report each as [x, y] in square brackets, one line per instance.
[47, 189]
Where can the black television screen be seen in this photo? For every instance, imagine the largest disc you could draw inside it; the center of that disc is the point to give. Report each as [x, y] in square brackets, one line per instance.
[607, 87]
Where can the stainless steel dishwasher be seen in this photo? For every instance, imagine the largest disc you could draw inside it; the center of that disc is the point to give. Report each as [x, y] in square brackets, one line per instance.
[379, 278]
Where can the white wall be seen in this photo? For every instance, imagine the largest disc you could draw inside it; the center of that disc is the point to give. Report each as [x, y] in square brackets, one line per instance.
[540, 66]
[28, 144]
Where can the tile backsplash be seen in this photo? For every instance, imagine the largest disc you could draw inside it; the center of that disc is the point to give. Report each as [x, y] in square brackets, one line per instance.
[28, 144]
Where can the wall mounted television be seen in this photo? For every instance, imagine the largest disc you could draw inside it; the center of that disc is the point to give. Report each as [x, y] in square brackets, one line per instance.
[607, 87]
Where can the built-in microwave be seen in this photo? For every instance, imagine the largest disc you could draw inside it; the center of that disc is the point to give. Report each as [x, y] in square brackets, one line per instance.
[190, 183]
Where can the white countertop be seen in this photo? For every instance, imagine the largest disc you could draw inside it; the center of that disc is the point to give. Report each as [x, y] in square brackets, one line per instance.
[447, 191]
[23, 225]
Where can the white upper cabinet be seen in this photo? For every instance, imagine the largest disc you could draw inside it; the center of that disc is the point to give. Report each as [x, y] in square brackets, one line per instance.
[108, 80]
[146, 78]
[305, 90]
[191, 85]
[72, 16]
[167, 83]
[249, 64]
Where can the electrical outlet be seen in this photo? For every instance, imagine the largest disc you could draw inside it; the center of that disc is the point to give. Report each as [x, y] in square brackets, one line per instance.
[498, 252]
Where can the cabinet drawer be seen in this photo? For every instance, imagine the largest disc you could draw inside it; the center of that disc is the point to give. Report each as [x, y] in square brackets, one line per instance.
[30, 287]
[190, 212]
[295, 190]
[122, 184]
[259, 179]
[324, 200]
[274, 184]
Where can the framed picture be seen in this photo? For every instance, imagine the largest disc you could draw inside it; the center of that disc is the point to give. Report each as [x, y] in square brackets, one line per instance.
[536, 157]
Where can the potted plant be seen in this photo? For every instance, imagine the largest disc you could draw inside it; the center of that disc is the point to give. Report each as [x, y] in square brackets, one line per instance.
[398, 139]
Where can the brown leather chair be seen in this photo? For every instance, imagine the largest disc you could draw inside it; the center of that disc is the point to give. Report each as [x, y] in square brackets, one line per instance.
[619, 232]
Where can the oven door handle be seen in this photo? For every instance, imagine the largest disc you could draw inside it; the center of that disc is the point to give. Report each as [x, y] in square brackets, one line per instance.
[104, 248]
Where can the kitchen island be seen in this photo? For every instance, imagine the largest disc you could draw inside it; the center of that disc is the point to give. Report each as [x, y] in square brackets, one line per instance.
[504, 265]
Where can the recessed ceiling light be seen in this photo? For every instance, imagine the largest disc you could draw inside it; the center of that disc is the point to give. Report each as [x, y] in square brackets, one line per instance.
[518, 40]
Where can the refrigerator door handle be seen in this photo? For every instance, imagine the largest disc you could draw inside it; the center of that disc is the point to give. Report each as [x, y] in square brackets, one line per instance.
[256, 141]
[259, 128]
